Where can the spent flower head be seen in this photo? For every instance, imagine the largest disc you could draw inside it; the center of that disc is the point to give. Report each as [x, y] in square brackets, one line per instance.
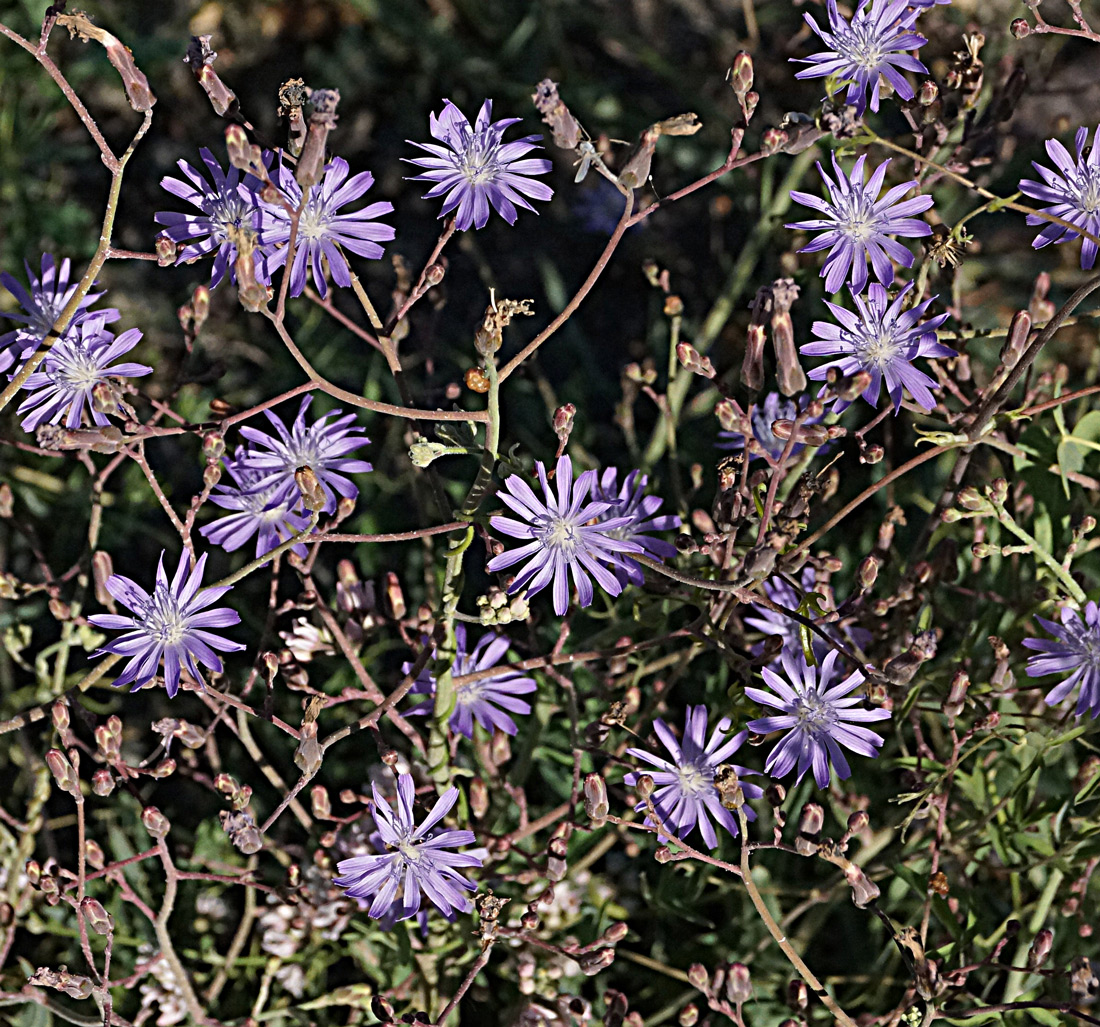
[74, 366]
[631, 502]
[882, 338]
[484, 700]
[171, 624]
[761, 418]
[1074, 193]
[870, 46]
[419, 862]
[686, 796]
[475, 168]
[42, 305]
[818, 716]
[322, 446]
[857, 225]
[229, 206]
[322, 231]
[562, 541]
[1074, 652]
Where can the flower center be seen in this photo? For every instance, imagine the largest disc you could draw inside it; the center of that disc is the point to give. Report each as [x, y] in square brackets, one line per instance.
[162, 618]
[557, 533]
[1088, 189]
[409, 851]
[226, 211]
[813, 713]
[478, 160]
[314, 221]
[693, 780]
[862, 45]
[77, 371]
[879, 349]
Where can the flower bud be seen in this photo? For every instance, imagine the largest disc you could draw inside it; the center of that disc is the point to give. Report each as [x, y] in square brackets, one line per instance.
[1016, 342]
[688, 1016]
[698, 976]
[615, 933]
[320, 802]
[166, 251]
[595, 799]
[740, 75]
[591, 963]
[798, 996]
[929, 93]
[738, 983]
[872, 454]
[93, 853]
[1040, 949]
[242, 154]
[776, 794]
[63, 772]
[433, 273]
[313, 495]
[810, 822]
[773, 140]
[563, 421]
[156, 823]
[695, 362]
[479, 798]
[858, 821]
[103, 783]
[165, 768]
[99, 920]
[393, 596]
[956, 695]
[644, 786]
[663, 854]
[867, 573]
[1020, 28]
[864, 890]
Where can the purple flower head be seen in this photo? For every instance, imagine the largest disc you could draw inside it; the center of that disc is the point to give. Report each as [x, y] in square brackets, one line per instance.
[762, 417]
[228, 207]
[883, 339]
[631, 502]
[871, 45]
[685, 792]
[474, 168]
[322, 447]
[563, 542]
[322, 232]
[485, 699]
[1074, 652]
[419, 861]
[255, 512]
[170, 624]
[1075, 194]
[75, 365]
[817, 717]
[857, 225]
[42, 306]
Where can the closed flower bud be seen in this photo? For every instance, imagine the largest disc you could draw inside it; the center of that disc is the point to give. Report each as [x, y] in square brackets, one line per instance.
[695, 362]
[867, 573]
[320, 802]
[93, 853]
[595, 799]
[776, 794]
[741, 73]
[774, 139]
[103, 783]
[313, 495]
[479, 798]
[752, 367]
[1020, 28]
[165, 768]
[929, 93]
[644, 786]
[156, 823]
[242, 154]
[1016, 342]
[738, 983]
[663, 854]
[99, 920]
[872, 454]
[63, 772]
[1040, 949]
[864, 890]
[591, 963]
[563, 421]
[166, 251]
[393, 596]
[998, 490]
[615, 933]
[211, 475]
[698, 976]
[798, 996]
[688, 1016]
[956, 695]
[213, 446]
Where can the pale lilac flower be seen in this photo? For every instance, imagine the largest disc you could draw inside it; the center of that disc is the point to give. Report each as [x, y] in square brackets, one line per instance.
[686, 796]
[62, 386]
[631, 502]
[419, 862]
[485, 699]
[42, 305]
[474, 168]
[1074, 652]
[857, 225]
[322, 232]
[883, 339]
[322, 447]
[257, 511]
[170, 624]
[819, 718]
[762, 417]
[871, 45]
[563, 542]
[228, 206]
[1075, 194]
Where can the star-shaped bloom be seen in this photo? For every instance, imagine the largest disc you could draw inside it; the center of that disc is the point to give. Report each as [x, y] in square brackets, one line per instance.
[563, 542]
[872, 44]
[857, 225]
[1075, 194]
[42, 306]
[631, 502]
[475, 168]
[171, 624]
[818, 716]
[882, 338]
[419, 861]
[256, 511]
[761, 417]
[1074, 652]
[485, 699]
[322, 446]
[322, 230]
[75, 365]
[228, 207]
[686, 796]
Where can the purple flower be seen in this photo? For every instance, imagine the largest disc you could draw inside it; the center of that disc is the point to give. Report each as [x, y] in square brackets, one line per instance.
[41, 308]
[563, 541]
[168, 624]
[685, 792]
[883, 339]
[818, 719]
[631, 502]
[485, 699]
[762, 417]
[257, 513]
[322, 447]
[322, 232]
[1075, 194]
[419, 861]
[1075, 652]
[228, 206]
[857, 225]
[473, 168]
[75, 365]
[871, 45]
